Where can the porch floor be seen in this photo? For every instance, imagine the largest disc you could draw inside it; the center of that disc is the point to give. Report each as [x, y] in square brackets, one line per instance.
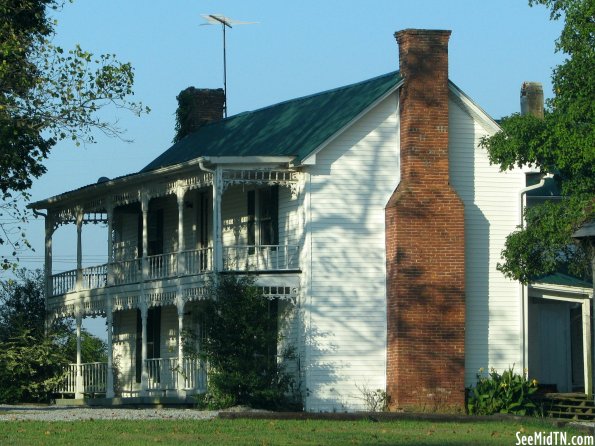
[130, 402]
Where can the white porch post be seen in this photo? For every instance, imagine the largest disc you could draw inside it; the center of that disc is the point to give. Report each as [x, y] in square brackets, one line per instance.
[217, 226]
[145, 212]
[110, 245]
[587, 355]
[181, 248]
[181, 376]
[145, 373]
[79, 376]
[109, 385]
[49, 231]
[79, 249]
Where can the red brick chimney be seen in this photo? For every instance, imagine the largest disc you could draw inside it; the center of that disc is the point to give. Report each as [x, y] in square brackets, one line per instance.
[425, 240]
[197, 107]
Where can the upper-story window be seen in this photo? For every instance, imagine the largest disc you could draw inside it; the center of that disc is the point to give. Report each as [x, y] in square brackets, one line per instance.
[264, 204]
[269, 215]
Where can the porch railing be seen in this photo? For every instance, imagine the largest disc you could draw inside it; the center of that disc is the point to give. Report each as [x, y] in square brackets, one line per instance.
[95, 276]
[94, 379]
[63, 282]
[162, 265]
[261, 258]
[164, 374]
[196, 261]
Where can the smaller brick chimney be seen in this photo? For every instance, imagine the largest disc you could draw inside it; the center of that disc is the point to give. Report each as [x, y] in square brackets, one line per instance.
[532, 99]
[197, 107]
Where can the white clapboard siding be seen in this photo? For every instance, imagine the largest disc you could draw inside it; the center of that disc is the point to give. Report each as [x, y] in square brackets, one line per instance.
[234, 209]
[124, 344]
[491, 213]
[168, 347]
[344, 289]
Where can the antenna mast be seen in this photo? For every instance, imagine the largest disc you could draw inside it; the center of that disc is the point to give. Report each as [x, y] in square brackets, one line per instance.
[226, 22]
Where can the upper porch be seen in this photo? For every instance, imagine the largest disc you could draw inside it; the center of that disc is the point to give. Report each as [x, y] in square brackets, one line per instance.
[168, 230]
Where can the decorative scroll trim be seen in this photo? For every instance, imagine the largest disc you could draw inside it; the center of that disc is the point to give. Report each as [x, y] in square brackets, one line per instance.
[161, 299]
[125, 302]
[194, 294]
[270, 177]
[280, 292]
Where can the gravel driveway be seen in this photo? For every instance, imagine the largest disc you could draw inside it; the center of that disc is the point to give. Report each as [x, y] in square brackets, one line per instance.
[73, 413]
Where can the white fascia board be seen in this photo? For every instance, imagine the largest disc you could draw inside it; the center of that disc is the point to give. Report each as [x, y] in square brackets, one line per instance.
[543, 288]
[473, 109]
[311, 158]
[248, 159]
[93, 189]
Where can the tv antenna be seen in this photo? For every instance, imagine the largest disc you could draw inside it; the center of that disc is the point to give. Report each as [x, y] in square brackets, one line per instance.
[225, 22]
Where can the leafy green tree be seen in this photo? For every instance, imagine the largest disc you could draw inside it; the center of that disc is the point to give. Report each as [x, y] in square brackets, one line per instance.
[33, 356]
[240, 345]
[47, 94]
[562, 144]
[30, 367]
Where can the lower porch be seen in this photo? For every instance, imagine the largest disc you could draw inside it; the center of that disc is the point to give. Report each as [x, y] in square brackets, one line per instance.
[165, 380]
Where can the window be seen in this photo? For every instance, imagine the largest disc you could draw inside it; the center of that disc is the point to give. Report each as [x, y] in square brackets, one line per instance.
[265, 204]
[155, 232]
[269, 215]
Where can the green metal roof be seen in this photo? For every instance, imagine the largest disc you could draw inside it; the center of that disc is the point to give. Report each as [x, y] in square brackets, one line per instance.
[563, 279]
[293, 128]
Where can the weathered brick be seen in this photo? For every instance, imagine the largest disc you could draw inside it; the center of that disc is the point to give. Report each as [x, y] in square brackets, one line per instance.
[425, 239]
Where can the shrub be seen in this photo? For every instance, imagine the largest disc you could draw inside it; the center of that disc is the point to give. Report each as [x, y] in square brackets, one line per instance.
[30, 368]
[508, 392]
[240, 347]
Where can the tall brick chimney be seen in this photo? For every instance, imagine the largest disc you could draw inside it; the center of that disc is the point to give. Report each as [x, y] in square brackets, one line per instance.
[197, 107]
[425, 240]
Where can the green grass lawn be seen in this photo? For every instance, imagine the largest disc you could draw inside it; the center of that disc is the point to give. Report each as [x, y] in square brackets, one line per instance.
[267, 432]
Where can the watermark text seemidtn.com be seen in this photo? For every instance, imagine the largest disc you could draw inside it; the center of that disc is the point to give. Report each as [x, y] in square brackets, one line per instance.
[554, 438]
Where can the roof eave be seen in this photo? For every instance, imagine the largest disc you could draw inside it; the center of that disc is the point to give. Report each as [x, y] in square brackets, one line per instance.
[475, 110]
[84, 191]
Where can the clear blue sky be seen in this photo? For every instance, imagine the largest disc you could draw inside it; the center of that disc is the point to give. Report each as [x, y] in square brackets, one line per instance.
[297, 48]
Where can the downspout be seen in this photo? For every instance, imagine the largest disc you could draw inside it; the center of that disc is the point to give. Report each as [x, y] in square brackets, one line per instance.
[525, 288]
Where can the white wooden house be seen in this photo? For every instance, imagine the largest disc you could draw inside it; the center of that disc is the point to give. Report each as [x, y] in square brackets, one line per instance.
[296, 194]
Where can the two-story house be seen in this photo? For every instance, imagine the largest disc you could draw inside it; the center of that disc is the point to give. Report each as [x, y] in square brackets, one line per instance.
[368, 210]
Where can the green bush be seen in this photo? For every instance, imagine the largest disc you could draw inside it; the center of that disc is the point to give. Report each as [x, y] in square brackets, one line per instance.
[30, 368]
[508, 392]
[240, 347]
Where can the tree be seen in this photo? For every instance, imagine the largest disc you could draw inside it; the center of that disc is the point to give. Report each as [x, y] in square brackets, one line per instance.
[47, 94]
[240, 345]
[33, 355]
[562, 144]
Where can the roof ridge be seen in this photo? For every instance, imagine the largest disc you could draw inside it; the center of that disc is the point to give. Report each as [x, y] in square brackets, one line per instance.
[310, 96]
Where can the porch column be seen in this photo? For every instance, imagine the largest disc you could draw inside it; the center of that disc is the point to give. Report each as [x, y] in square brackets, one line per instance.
[181, 374]
[49, 231]
[79, 392]
[217, 226]
[109, 385]
[110, 245]
[181, 248]
[145, 212]
[79, 249]
[587, 355]
[144, 382]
